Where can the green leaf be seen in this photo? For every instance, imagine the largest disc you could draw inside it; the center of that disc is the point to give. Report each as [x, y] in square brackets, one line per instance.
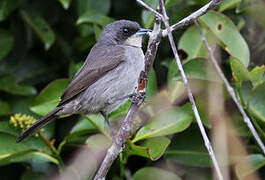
[97, 31]
[257, 161]
[40, 26]
[256, 11]
[147, 16]
[7, 7]
[29, 149]
[240, 72]
[188, 148]
[73, 68]
[65, 3]
[196, 48]
[30, 175]
[201, 69]
[99, 6]
[94, 17]
[153, 173]
[256, 101]
[228, 4]
[98, 142]
[9, 85]
[82, 125]
[152, 84]
[256, 74]
[228, 34]
[120, 112]
[152, 148]
[98, 121]
[49, 97]
[167, 122]
[4, 108]
[6, 43]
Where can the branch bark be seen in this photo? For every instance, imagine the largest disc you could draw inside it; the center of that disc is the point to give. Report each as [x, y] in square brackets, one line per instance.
[188, 20]
[150, 55]
[230, 89]
[192, 101]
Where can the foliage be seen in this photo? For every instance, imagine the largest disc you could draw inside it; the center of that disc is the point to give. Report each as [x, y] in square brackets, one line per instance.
[44, 43]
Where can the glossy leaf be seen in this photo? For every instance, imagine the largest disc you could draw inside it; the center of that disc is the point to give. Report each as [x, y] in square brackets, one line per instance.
[98, 142]
[7, 7]
[120, 112]
[256, 11]
[152, 84]
[153, 173]
[255, 99]
[99, 6]
[9, 85]
[228, 4]
[240, 72]
[152, 148]
[33, 148]
[49, 97]
[97, 31]
[256, 74]
[224, 29]
[201, 69]
[256, 161]
[188, 148]
[4, 108]
[65, 3]
[167, 122]
[98, 121]
[196, 48]
[6, 43]
[41, 27]
[147, 16]
[94, 17]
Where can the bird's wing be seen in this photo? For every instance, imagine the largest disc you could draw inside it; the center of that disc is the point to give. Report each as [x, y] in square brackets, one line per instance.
[100, 60]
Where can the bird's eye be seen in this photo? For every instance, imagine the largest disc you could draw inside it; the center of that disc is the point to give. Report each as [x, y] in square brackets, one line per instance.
[125, 30]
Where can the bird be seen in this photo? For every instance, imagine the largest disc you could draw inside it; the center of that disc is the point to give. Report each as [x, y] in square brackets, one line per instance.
[109, 73]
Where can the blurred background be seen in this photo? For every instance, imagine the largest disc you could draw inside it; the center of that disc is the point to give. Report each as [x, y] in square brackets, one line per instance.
[43, 44]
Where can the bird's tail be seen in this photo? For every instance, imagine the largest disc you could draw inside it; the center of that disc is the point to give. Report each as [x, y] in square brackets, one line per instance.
[39, 124]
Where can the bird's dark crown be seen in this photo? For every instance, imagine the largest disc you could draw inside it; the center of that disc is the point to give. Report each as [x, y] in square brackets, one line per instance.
[118, 31]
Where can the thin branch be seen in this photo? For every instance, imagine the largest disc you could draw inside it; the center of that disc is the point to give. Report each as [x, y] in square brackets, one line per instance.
[188, 20]
[127, 124]
[149, 8]
[192, 101]
[230, 90]
[150, 55]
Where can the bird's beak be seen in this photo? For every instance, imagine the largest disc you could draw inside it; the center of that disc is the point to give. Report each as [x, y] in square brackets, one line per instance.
[143, 31]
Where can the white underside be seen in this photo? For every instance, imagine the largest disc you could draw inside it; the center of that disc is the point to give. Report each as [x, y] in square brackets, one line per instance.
[134, 40]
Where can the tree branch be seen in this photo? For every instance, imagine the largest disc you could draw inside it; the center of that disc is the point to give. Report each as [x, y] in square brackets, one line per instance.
[188, 20]
[143, 4]
[192, 101]
[127, 124]
[150, 55]
[230, 89]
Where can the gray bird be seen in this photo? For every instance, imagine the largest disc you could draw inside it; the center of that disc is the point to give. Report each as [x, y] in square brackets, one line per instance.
[110, 72]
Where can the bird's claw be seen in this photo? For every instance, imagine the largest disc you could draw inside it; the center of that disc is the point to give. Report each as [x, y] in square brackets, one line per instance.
[136, 98]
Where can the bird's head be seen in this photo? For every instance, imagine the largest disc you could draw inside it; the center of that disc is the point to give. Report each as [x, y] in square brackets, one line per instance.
[123, 32]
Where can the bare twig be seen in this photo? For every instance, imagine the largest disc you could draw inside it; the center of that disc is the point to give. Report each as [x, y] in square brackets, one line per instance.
[149, 8]
[192, 101]
[150, 54]
[127, 124]
[231, 90]
[188, 20]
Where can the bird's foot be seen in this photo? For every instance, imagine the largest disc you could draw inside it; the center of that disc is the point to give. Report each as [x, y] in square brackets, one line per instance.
[136, 98]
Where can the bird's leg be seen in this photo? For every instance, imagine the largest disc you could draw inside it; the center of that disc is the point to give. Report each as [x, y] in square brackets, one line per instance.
[112, 133]
[135, 98]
